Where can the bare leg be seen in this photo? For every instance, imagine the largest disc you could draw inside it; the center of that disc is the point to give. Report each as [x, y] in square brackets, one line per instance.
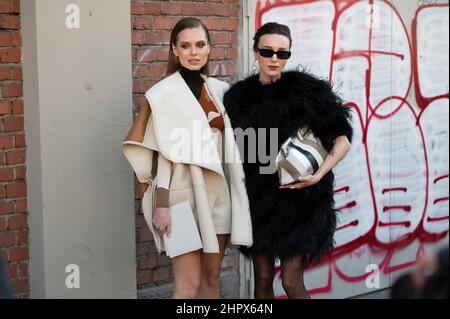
[292, 276]
[264, 266]
[211, 266]
[187, 270]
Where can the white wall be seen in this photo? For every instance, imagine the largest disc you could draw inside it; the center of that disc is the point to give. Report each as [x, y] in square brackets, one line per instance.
[78, 103]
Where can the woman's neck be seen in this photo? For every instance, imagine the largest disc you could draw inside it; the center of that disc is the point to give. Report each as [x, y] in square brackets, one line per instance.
[265, 79]
[190, 74]
[194, 80]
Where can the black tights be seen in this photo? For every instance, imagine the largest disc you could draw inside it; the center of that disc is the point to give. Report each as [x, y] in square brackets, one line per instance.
[291, 274]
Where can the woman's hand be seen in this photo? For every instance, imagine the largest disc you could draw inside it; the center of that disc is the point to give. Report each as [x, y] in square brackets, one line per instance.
[303, 182]
[162, 221]
[426, 265]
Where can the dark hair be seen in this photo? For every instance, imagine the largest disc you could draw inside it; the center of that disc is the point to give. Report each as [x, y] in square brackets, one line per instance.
[272, 28]
[174, 64]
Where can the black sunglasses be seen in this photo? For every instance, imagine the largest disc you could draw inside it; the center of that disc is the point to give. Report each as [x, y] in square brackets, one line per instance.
[268, 53]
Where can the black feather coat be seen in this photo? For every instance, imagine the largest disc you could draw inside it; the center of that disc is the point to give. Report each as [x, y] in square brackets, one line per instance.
[286, 222]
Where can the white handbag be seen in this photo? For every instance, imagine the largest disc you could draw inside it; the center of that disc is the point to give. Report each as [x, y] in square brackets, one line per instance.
[301, 155]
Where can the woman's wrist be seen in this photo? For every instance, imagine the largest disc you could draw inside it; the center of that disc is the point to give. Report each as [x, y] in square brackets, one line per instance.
[162, 198]
[319, 174]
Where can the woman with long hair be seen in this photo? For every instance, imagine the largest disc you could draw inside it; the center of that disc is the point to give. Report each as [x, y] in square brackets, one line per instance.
[187, 106]
[294, 223]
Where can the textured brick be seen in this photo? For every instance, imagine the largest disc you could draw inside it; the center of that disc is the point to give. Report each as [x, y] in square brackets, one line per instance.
[6, 174]
[18, 254]
[6, 207]
[20, 286]
[15, 157]
[16, 190]
[161, 274]
[10, 55]
[6, 141]
[17, 222]
[9, 22]
[147, 263]
[2, 223]
[7, 240]
[12, 90]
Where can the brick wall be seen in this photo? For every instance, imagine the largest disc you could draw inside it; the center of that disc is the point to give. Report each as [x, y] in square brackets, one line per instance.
[13, 191]
[152, 22]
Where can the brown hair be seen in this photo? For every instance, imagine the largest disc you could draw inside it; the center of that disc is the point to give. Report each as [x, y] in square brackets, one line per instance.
[174, 64]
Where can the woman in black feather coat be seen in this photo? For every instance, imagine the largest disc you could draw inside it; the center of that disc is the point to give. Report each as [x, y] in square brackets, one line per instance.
[294, 223]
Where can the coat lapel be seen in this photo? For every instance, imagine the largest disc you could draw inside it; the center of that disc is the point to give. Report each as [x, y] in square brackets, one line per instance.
[182, 130]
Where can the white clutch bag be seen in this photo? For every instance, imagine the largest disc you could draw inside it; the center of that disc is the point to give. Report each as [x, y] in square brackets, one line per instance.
[301, 155]
[185, 236]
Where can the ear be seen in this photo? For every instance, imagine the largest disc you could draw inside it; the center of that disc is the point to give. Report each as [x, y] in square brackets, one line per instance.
[255, 54]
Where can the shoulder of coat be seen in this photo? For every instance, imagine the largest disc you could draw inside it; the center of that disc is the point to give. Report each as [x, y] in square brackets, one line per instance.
[218, 84]
[164, 85]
